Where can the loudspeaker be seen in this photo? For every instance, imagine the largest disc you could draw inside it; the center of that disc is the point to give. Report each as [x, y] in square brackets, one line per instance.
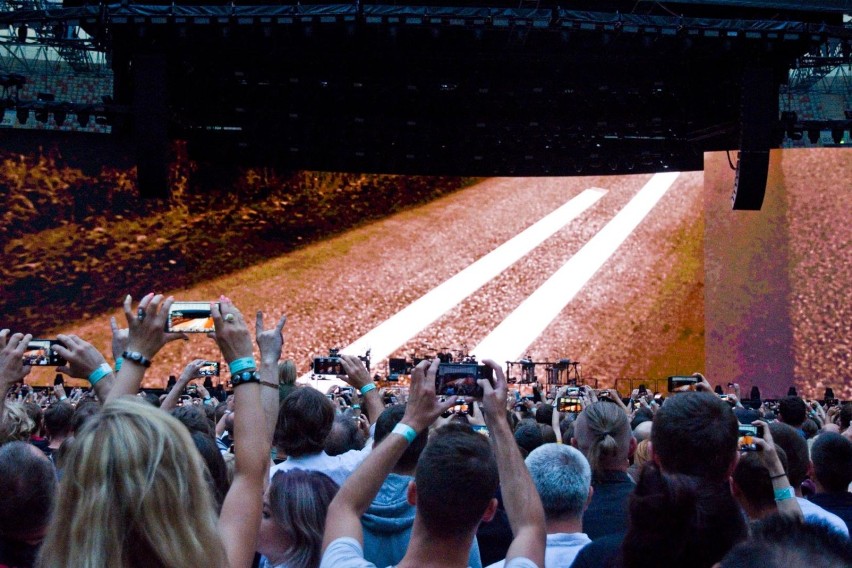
[758, 112]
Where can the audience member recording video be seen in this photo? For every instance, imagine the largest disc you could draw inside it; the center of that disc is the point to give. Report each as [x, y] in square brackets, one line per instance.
[464, 469]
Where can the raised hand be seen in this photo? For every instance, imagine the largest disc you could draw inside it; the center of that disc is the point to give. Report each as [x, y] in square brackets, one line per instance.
[423, 406]
[357, 374]
[119, 338]
[81, 355]
[147, 327]
[270, 341]
[231, 333]
[12, 368]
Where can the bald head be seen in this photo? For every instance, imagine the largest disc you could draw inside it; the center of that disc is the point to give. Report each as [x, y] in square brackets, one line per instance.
[643, 431]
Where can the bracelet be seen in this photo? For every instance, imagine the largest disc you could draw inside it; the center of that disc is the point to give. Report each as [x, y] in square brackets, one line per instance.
[243, 377]
[118, 363]
[136, 357]
[242, 364]
[63, 397]
[356, 407]
[404, 430]
[367, 388]
[784, 494]
[103, 370]
[270, 385]
[778, 476]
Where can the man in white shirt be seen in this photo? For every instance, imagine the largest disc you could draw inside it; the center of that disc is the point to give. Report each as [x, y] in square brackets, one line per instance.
[453, 487]
[305, 418]
[563, 479]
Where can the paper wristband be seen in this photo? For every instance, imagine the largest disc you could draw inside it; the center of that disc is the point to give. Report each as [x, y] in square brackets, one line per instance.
[405, 431]
[784, 494]
[367, 388]
[243, 364]
[99, 373]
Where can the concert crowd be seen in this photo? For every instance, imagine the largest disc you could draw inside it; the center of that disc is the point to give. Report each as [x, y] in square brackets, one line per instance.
[270, 473]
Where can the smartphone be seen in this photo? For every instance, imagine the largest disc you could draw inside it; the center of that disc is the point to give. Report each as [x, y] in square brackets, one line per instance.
[189, 317]
[40, 353]
[679, 381]
[328, 366]
[747, 434]
[569, 404]
[460, 379]
[209, 369]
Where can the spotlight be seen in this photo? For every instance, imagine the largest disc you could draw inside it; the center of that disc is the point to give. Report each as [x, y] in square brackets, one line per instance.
[41, 115]
[83, 118]
[813, 135]
[23, 114]
[837, 135]
[59, 116]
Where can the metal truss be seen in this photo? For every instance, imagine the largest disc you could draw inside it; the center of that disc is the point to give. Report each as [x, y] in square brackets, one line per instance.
[34, 47]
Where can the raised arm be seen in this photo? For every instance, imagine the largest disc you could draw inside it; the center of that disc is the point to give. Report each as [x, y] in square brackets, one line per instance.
[239, 521]
[270, 342]
[189, 372]
[146, 336]
[344, 513]
[785, 497]
[12, 368]
[358, 376]
[522, 502]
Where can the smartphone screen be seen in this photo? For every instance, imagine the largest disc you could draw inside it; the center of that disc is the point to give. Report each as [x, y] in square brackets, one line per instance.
[209, 369]
[460, 379]
[189, 317]
[328, 366]
[40, 354]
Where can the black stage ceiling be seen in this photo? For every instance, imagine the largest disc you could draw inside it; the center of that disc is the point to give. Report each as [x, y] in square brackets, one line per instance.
[472, 88]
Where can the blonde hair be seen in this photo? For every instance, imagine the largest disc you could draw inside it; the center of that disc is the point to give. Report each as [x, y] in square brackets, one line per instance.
[133, 493]
[642, 455]
[15, 424]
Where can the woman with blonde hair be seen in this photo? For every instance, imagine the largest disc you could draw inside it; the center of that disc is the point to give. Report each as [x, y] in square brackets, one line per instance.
[133, 492]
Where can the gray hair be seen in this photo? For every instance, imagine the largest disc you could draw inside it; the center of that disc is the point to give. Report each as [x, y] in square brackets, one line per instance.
[562, 477]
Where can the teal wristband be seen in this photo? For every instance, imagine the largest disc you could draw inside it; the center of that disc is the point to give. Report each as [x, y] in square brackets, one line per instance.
[367, 388]
[99, 373]
[405, 431]
[118, 363]
[61, 398]
[784, 494]
[238, 365]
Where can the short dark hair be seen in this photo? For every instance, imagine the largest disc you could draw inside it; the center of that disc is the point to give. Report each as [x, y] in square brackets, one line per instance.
[752, 477]
[696, 433]
[83, 413]
[845, 416]
[782, 541]
[304, 421]
[544, 414]
[194, 418]
[151, 398]
[528, 437]
[388, 419]
[456, 479]
[343, 436]
[57, 419]
[680, 520]
[794, 445]
[832, 457]
[27, 489]
[792, 410]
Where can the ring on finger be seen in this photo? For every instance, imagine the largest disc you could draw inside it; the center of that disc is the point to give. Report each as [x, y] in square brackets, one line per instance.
[140, 314]
[229, 318]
